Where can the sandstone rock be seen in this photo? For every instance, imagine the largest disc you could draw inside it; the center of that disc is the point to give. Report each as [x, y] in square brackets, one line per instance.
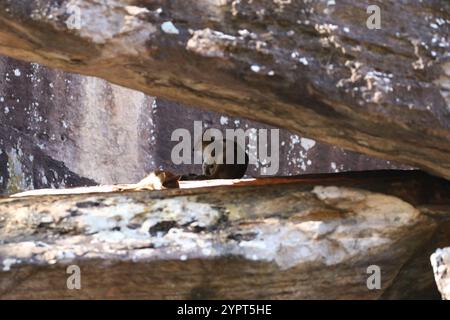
[310, 67]
[440, 260]
[312, 237]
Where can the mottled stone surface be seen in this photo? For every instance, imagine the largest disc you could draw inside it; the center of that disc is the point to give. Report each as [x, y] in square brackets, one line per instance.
[311, 238]
[109, 134]
[97, 130]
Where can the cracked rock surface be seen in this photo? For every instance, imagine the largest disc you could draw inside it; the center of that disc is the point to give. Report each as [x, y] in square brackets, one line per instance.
[312, 238]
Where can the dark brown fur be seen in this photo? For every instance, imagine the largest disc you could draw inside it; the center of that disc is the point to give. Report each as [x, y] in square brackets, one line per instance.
[222, 170]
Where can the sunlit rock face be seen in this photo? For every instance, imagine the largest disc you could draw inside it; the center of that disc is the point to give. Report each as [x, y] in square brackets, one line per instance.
[94, 129]
[63, 130]
[297, 240]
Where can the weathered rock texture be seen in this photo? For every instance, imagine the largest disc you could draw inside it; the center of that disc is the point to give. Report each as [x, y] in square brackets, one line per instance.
[97, 130]
[309, 66]
[64, 130]
[440, 261]
[310, 237]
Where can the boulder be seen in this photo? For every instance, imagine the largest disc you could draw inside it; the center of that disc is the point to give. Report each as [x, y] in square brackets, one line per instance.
[313, 67]
[314, 237]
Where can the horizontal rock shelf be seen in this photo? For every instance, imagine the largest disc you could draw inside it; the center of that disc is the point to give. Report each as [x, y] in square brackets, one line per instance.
[321, 236]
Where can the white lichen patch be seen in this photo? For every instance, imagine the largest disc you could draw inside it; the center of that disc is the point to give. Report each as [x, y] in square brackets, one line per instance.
[255, 68]
[333, 165]
[169, 27]
[184, 212]
[103, 22]
[107, 218]
[377, 84]
[282, 4]
[133, 10]
[434, 26]
[307, 144]
[326, 28]
[118, 227]
[303, 61]
[210, 43]
[7, 263]
[139, 227]
[379, 80]
[223, 120]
